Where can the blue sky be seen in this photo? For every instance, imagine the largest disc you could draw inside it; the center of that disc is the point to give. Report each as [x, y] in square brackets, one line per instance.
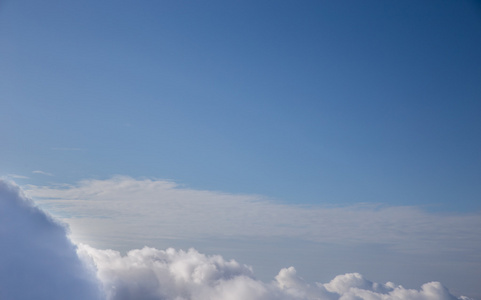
[305, 102]
[366, 105]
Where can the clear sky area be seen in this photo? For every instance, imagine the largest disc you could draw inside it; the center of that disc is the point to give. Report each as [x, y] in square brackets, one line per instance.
[333, 136]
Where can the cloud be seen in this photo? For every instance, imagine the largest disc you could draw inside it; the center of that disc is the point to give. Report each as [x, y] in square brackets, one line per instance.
[15, 176]
[146, 210]
[42, 172]
[67, 149]
[37, 260]
[171, 274]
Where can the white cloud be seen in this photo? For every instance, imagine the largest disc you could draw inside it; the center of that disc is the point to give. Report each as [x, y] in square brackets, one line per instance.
[38, 261]
[15, 176]
[169, 274]
[42, 173]
[145, 210]
[67, 149]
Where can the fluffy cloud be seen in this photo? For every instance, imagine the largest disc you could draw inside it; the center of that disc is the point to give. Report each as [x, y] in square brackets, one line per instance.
[154, 274]
[37, 260]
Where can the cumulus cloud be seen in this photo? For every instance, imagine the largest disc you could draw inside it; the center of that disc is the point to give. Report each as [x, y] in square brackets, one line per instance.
[37, 260]
[171, 274]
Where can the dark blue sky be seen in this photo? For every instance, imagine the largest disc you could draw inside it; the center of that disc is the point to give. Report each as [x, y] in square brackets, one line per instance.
[312, 102]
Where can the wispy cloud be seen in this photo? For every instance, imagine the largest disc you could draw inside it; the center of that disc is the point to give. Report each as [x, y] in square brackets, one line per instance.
[42, 172]
[150, 209]
[17, 176]
[67, 149]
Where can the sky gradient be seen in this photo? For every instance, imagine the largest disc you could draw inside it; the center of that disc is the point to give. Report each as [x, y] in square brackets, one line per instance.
[314, 117]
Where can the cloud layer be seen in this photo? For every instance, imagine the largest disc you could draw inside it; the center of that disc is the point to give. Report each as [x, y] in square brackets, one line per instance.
[38, 261]
[150, 209]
